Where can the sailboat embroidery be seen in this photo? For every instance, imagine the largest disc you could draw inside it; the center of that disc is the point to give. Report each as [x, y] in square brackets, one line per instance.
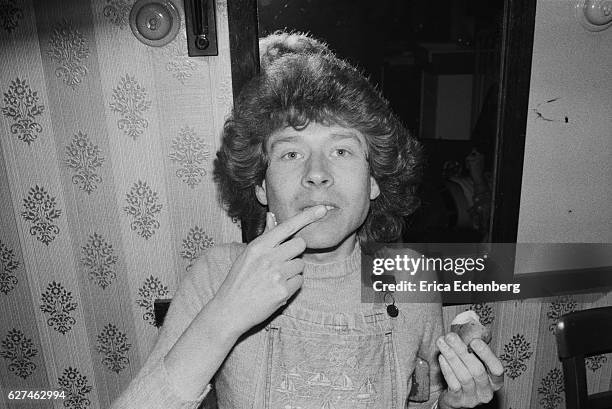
[343, 383]
[367, 390]
[286, 385]
[295, 372]
[319, 379]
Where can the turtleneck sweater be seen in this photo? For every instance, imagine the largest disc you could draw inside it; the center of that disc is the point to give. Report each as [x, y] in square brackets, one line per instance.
[331, 287]
[331, 292]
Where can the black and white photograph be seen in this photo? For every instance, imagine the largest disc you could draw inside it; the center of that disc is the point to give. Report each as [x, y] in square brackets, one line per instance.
[306, 204]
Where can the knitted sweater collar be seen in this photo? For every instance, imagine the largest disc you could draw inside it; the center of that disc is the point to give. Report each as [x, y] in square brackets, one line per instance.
[350, 265]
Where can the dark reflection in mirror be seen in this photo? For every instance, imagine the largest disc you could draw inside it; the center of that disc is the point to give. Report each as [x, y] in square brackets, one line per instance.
[438, 65]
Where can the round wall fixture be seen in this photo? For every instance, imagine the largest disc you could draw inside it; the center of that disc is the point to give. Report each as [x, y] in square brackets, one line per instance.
[594, 15]
[155, 22]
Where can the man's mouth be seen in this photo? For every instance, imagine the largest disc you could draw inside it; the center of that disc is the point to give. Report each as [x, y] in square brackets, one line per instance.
[328, 206]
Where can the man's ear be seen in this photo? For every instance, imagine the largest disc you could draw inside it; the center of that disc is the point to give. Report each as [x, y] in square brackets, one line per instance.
[260, 192]
[374, 189]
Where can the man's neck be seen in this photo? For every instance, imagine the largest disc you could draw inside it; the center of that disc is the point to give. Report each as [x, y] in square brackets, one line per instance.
[332, 254]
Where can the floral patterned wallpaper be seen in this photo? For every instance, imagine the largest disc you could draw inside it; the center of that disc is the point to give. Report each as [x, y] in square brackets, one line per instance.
[106, 191]
[524, 340]
[106, 196]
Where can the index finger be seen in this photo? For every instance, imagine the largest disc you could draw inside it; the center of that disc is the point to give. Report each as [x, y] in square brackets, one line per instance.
[291, 226]
[493, 364]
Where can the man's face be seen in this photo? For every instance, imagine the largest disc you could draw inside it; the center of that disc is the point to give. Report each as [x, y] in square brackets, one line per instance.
[319, 165]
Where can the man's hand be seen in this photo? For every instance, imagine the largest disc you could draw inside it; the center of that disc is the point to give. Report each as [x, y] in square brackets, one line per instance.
[469, 382]
[261, 280]
[267, 273]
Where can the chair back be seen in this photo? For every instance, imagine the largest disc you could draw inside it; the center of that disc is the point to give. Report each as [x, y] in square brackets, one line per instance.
[581, 334]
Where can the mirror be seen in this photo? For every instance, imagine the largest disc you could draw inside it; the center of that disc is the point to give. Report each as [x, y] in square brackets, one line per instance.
[438, 66]
[456, 72]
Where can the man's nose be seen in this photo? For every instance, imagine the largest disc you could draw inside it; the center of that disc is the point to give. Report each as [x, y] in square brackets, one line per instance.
[317, 172]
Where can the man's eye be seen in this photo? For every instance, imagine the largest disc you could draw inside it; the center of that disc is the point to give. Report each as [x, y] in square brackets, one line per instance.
[341, 152]
[291, 155]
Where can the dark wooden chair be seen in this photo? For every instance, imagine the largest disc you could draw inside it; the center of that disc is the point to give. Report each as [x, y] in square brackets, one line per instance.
[581, 334]
[160, 309]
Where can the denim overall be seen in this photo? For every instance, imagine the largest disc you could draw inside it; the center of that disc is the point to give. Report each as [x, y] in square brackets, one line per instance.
[330, 361]
[305, 359]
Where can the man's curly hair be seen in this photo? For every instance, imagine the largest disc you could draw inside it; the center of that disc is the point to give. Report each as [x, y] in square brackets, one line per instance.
[303, 81]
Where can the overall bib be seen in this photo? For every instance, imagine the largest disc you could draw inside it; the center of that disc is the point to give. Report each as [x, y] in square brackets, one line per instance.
[317, 360]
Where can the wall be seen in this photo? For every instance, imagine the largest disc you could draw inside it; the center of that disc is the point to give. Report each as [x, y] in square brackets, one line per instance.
[105, 190]
[567, 189]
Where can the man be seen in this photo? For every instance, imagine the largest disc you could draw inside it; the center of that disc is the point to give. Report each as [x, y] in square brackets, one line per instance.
[314, 156]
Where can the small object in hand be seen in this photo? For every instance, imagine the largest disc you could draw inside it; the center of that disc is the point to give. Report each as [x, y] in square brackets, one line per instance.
[392, 310]
[419, 382]
[467, 325]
